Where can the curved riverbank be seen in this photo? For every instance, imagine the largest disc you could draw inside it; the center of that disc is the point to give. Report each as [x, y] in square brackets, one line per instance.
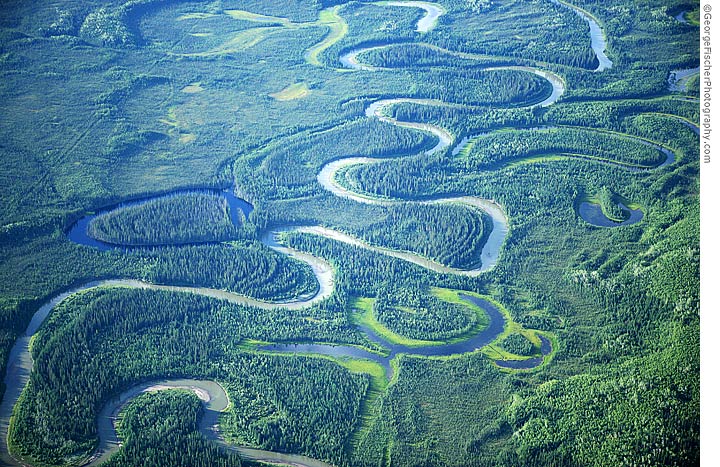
[495, 327]
[351, 61]
[433, 11]
[593, 214]
[669, 156]
[490, 251]
[214, 397]
[598, 39]
[546, 349]
[78, 231]
[20, 362]
[497, 324]
[215, 400]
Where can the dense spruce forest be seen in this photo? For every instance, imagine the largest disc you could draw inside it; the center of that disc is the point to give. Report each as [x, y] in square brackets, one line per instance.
[364, 223]
[160, 429]
[194, 218]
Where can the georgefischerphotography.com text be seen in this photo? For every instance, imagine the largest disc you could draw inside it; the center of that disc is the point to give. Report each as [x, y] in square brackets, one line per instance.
[706, 45]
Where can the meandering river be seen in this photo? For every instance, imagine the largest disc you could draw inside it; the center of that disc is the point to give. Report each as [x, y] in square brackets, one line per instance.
[473, 343]
[215, 401]
[598, 40]
[20, 361]
[432, 12]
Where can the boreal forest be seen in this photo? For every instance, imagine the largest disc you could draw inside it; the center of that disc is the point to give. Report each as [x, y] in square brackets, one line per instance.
[349, 233]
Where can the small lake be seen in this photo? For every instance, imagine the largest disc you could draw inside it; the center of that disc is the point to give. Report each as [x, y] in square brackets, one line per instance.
[593, 214]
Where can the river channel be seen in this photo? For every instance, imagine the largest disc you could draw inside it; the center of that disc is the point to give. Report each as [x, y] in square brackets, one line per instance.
[20, 361]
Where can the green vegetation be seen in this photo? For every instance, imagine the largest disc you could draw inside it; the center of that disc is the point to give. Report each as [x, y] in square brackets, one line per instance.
[363, 315]
[420, 55]
[452, 235]
[534, 30]
[483, 87]
[338, 28]
[518, 344]
[241, 267]
[289, 170]
[693, 17]
[160, 429]
[294, 91]
[122, 100]
[439, 397]
[178, 219]
[609, 204]
[639, 394]
[501, 146]
[88, 351]
[499, 349]
[422, 316]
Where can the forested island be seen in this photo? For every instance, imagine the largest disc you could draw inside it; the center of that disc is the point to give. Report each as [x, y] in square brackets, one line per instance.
[331, 233]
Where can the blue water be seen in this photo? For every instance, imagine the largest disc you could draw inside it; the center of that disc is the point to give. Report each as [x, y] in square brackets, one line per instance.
[78, 232]
[545, 349]
[592, 214]
[479, 340]
[598, 42]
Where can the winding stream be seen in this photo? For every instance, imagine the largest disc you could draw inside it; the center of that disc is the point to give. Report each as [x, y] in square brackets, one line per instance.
[20, 361]
[490, 251]
[215, 401]
[598, 40]
[214, 397]
[472, 344]
[432, 12]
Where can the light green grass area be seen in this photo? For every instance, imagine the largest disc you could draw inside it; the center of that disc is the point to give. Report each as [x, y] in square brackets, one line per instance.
[329, 18]
[198, 15]
[362, 314]
[241, 41]
[374, 369]
[493, 349]
[258, 18]
[177, 129]
[292, 92]
[379, 383]
[193, 88]
[338, 29]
